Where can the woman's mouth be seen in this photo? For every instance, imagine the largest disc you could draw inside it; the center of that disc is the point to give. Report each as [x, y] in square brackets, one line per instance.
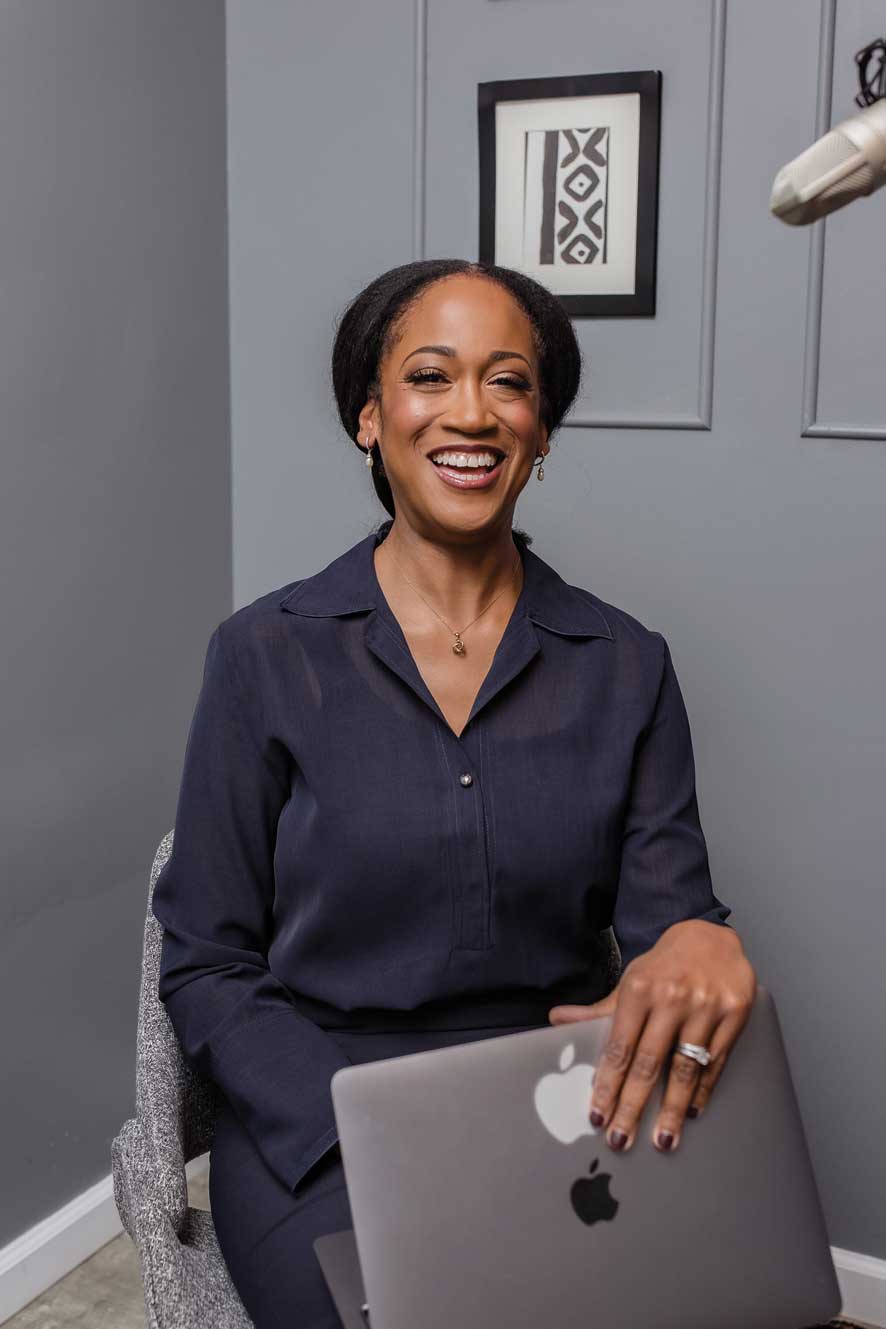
[465, 475]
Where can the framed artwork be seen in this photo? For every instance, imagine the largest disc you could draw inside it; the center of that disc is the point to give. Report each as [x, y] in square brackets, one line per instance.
[569, 186]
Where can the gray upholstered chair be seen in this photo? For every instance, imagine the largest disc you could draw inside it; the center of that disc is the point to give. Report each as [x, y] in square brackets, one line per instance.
[186, 1281]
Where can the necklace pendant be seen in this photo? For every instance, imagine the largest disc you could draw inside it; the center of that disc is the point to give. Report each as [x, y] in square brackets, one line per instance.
[458, 647]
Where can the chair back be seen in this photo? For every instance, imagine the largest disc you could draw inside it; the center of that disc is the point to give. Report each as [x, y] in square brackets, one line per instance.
[177, 1104]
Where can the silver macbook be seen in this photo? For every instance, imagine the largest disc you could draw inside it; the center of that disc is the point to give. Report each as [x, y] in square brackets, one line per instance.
[482, 1198]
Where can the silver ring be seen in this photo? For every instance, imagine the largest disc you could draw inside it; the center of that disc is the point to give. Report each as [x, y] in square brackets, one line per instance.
[697, 1053]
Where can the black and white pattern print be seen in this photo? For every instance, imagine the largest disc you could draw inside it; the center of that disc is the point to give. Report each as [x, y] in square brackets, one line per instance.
[567, 196]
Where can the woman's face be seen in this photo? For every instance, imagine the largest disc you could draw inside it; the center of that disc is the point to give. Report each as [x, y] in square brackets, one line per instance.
[463, 373]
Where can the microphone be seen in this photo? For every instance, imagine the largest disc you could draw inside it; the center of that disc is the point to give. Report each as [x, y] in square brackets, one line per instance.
[846, 163]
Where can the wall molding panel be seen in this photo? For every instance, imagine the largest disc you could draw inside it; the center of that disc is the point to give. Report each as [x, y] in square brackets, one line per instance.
[811, 426]
[419, 161]
[582, 417]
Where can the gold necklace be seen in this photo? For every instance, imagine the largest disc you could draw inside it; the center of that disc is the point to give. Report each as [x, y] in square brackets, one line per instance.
[458, 647]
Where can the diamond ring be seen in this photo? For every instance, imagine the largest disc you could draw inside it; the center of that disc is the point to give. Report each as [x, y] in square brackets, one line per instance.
[697, 1053]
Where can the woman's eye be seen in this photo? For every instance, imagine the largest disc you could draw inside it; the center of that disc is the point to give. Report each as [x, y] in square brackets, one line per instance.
[435, 376]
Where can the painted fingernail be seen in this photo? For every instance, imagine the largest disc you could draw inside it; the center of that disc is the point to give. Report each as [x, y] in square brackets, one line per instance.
[692, 1111]
[618, 1139]
[597, 1118]
[665, 1139]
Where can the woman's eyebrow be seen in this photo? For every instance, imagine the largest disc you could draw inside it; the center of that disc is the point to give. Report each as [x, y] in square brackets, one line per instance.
[451, 351]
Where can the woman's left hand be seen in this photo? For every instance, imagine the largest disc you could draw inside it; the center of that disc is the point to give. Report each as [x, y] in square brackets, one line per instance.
[695, 985]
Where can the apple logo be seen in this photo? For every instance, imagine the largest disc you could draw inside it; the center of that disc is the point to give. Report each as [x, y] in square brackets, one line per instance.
[563, 1103]
[591, 1199]
[563, 1098]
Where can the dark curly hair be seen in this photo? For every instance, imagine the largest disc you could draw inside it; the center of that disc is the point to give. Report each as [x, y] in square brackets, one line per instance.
[370, 324]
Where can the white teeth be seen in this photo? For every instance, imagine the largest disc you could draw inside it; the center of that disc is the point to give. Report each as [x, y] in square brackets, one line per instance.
[464, 459]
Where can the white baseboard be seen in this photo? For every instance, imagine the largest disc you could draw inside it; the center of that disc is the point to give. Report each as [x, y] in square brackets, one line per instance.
[862, 1282]
[49, 1250]
[31, 1263]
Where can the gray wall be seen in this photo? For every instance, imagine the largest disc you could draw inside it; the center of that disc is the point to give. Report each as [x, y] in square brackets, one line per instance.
[115, 537]
[758, 551]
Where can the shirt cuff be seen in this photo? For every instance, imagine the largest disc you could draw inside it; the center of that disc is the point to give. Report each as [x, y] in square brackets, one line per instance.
[276, 1072]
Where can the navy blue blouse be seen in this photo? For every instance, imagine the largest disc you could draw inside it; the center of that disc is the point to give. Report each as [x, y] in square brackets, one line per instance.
[341, 859]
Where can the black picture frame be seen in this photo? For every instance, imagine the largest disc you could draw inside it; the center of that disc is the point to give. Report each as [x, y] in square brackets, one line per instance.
[647, 84]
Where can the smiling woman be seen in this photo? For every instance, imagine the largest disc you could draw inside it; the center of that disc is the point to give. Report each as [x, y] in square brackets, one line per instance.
[542, 368]
[424, 788]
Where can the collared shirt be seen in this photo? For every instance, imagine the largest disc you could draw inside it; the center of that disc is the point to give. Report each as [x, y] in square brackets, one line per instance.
[342, 859]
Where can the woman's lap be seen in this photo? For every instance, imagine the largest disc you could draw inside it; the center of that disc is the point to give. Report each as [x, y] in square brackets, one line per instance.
[265, 1231]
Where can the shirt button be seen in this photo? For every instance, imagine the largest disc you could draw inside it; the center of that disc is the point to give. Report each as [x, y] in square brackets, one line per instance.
[466, 779]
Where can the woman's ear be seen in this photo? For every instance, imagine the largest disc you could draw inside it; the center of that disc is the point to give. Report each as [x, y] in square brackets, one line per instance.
[367, 420]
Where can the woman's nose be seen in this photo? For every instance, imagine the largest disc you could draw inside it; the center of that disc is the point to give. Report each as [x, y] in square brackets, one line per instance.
[469, 409]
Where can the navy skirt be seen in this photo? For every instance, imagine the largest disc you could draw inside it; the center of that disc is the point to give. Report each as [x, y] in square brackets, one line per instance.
[266, 1232]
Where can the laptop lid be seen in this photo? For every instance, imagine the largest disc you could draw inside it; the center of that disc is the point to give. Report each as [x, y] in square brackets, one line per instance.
[483, 1198]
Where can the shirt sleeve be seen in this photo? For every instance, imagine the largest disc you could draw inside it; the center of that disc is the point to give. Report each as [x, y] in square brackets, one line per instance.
[214, 897]
[665, 875]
